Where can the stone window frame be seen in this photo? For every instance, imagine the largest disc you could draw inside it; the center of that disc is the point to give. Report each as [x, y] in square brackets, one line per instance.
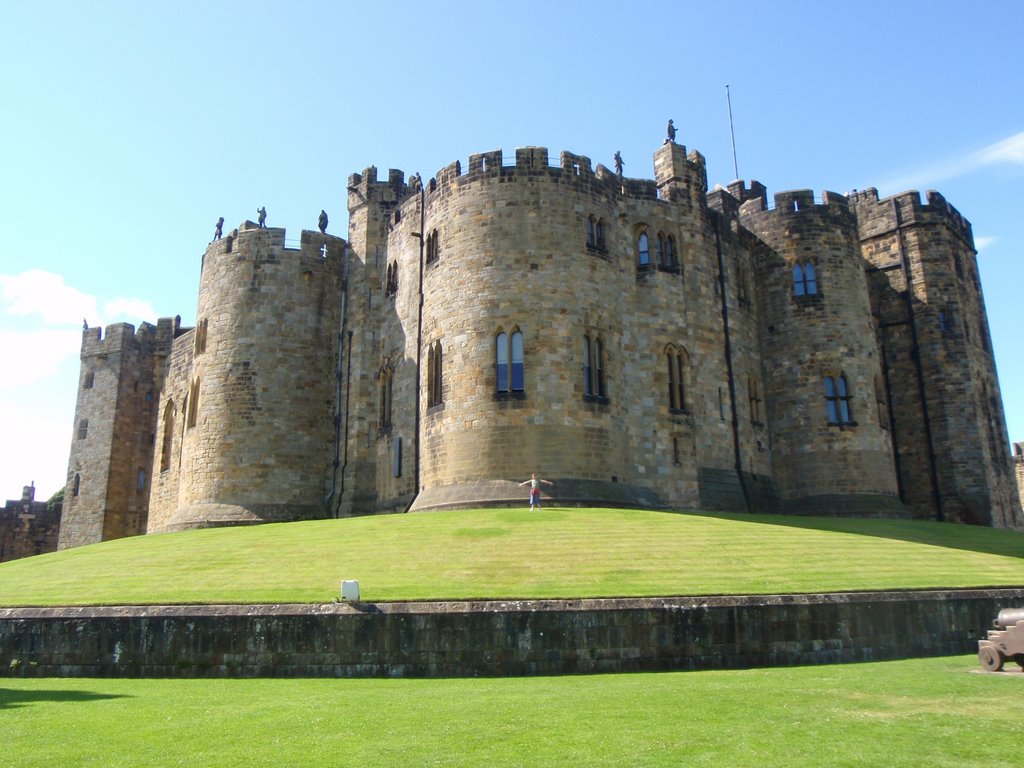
[193, 405]
[90, 380]
[433, 249]
[678, 363]
[168, 437]
[83, 429]
[435, 392]
[805, 279]
[837, 401]
[595, 362]
[508, 346]
[76, 484]
[595, 235]
[642, 244]
[386, 377]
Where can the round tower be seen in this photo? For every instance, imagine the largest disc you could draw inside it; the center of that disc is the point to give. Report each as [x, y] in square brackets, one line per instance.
[831, 449]
[252, 415]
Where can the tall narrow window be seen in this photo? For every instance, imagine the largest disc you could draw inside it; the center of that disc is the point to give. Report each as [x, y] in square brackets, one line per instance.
[501, 361]
[386, 381]
[90, 379]
[600, 234]
[880, 402]
[591, 234]
[168, 438]
[433, 250]
[510, 378]
[434, 375]
[193, 404]
[140, 481]
[83, 429]
[643, 248]
[76, 485]
[670, 250]
[755, 400]
[593, 368]
[662, 259]
[588, 389]
[677, 371]
[518, 374]
[599, 368]
[837, 400]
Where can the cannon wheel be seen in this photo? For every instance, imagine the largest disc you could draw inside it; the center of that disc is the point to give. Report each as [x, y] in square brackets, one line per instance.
[991, 659]
[1019, 658]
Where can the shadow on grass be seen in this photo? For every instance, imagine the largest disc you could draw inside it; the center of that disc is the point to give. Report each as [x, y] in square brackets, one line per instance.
[973, 538]
[11, 698]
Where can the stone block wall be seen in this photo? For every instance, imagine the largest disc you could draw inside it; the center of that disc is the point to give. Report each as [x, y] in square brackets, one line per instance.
[495, 638]
[28, 527]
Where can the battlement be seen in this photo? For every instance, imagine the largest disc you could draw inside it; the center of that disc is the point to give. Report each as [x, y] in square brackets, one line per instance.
[270, 244]
[117, 337]
[533, 163]
[880, 215]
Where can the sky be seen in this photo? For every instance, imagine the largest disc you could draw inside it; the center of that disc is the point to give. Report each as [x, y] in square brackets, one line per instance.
[127, 129]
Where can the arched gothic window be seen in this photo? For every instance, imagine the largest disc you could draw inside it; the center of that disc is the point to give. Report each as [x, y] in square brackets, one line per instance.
[509, 362]
[643, 249]
[837, 400]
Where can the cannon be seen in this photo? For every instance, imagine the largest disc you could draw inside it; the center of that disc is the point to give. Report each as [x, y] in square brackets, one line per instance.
[1004, 642]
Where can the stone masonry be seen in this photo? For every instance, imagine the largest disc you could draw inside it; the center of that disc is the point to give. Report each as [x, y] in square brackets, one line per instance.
[637, 342]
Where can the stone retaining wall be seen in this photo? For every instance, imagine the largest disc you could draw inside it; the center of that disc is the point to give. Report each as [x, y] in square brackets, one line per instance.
[495, 637]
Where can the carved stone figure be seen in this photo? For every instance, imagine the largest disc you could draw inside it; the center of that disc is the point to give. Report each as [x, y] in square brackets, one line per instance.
[671, 133]
[262, 220]
[322, 222]
[618, 163]
[219, 229]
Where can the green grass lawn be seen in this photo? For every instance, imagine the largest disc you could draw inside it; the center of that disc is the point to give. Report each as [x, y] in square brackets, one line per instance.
[558, 552]
[922, 712]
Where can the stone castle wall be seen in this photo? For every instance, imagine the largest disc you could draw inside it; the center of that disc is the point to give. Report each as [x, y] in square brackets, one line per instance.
[948, 422]
[252, 436]
[362, 376]
[823, 332]
[28, 527]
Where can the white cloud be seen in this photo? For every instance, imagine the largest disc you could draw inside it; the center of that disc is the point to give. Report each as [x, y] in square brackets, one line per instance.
[44, 294]
[1009, 151]
[1006, 152]
[37, 354]
[41, 294]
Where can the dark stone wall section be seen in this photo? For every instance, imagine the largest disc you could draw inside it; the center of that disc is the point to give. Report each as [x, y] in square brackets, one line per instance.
[495, 638]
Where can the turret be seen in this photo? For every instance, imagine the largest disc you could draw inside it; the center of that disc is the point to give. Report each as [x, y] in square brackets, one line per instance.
[246, 425]
[831, 447]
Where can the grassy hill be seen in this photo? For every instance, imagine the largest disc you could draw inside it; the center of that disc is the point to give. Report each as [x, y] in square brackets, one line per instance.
[557, 553]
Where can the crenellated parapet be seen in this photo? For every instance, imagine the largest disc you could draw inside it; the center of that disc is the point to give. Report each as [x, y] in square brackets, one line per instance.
[118, 337]
[880, 216]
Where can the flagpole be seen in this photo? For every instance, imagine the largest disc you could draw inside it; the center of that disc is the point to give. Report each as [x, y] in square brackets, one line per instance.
[732, 133]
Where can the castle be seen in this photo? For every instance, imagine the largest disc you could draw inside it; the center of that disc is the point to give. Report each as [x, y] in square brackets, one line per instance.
[637, 342]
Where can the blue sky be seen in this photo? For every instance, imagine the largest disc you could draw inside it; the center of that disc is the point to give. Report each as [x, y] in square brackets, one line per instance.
[128, 128]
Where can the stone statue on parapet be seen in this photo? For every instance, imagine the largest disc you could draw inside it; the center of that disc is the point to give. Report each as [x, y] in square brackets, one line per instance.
[618, 163]
[415, 182]
[322, 222]
[262, 220]
[218, 230]
[671, 133]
